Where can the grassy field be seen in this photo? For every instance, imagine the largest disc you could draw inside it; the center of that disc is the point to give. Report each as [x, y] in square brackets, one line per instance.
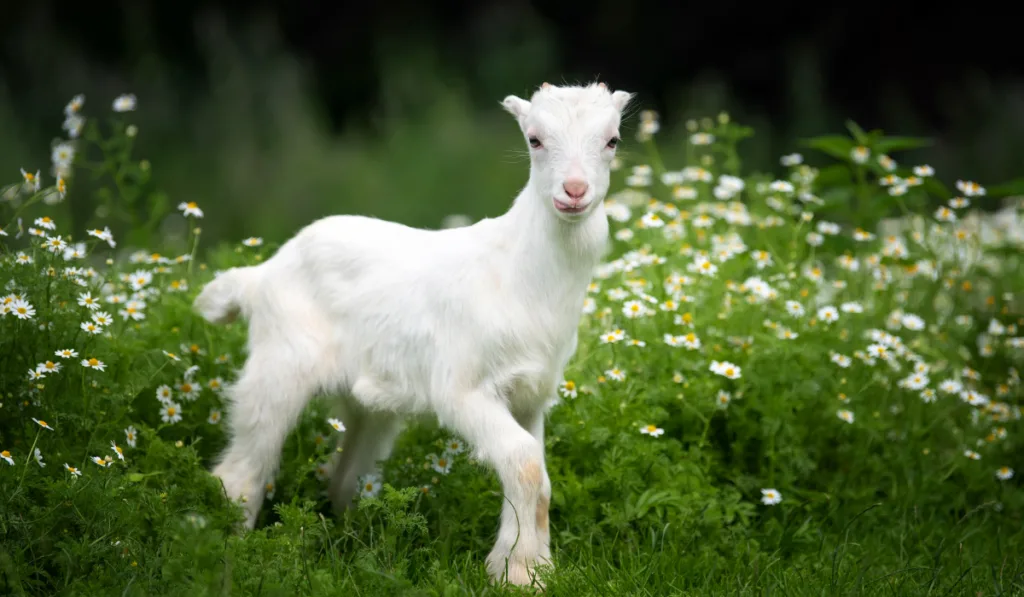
[781, 388]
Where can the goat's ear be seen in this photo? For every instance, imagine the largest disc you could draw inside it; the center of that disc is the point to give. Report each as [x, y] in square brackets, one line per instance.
[620, 99]
[516, 106]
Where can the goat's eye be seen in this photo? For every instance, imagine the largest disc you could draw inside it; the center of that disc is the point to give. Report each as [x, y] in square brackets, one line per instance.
[613, 142]
[535, 143]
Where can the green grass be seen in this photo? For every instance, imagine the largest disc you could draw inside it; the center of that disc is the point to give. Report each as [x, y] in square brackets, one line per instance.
[888, 503]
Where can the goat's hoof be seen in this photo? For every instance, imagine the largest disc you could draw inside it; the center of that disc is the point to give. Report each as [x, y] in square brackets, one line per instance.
[515, 571]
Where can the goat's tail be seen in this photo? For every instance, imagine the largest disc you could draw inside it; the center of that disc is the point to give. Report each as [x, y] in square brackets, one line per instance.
[226, 295]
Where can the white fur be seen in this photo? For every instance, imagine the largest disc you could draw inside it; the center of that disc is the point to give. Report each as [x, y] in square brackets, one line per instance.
[473, 325]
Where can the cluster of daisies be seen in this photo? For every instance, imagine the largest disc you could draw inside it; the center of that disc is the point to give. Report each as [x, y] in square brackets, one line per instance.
[99, 305]
[188, 389]
[62, 155]
[104, 461]
[706, 210]
[103, 306]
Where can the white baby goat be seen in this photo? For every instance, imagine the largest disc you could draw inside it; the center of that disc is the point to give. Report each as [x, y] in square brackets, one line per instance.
[473, 325]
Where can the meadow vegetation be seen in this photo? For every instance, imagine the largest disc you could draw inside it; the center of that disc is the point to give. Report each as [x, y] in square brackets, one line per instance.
[799, 379]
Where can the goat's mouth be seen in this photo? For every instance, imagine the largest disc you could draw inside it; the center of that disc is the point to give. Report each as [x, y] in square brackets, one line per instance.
[570, 208]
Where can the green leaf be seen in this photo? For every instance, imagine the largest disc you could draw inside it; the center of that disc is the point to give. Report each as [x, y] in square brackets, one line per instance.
[158, 208]
[890, 144]
[738, 133]
[1006, 189]
[935, 188]
[834, 145]
[858, 133]
[836, 197]
[835, 175]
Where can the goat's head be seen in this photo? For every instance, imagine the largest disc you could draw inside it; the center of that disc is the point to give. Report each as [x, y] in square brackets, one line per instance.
[572, 133]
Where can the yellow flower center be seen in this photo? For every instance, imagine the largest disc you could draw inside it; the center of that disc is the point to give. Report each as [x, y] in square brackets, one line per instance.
[93, 362]
[171, 410]
[729, 372]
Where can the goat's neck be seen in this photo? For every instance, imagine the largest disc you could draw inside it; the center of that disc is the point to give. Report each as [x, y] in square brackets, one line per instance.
[542, 245]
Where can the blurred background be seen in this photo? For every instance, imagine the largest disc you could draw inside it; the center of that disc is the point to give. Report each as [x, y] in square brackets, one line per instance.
[270, 114]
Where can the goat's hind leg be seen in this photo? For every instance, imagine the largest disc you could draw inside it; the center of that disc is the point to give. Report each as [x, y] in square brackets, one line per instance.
[264, 405]
[369, 438]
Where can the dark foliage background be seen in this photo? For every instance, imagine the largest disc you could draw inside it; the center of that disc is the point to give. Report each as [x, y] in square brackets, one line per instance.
[353, 92]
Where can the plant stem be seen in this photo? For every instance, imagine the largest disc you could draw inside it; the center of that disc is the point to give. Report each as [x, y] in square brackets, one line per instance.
[28, 458]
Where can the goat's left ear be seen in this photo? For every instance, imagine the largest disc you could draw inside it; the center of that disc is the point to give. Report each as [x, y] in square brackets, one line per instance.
[620, 99]
[516, 106]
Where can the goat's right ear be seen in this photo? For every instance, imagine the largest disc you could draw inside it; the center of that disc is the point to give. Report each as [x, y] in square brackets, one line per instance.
[516, 106]
[620, 99]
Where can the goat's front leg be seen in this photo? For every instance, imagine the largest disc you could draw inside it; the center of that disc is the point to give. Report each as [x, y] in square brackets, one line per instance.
[518, 458]
[534, 423]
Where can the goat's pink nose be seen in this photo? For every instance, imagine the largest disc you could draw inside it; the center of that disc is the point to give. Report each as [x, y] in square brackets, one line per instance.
[575, 187]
